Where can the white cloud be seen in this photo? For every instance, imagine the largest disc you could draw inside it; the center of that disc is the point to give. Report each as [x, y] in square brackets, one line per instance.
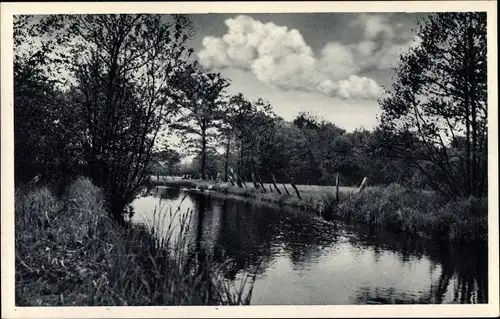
[383, 41]
[374, 25]
[358, 87]
[280, 56]
[214, 53]
[354, 87]
[337, 61]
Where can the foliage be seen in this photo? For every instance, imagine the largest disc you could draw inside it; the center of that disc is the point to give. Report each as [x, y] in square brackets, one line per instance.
[107, 116]
[436, 112]
[165, 162]
[200, 96]
[122, 65]
[39, 137]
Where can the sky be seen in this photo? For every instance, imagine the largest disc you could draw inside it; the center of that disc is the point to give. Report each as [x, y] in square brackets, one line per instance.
[333, 65]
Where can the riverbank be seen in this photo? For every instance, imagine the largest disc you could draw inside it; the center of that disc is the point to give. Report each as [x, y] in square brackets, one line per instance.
[393, 208]
[70, 253]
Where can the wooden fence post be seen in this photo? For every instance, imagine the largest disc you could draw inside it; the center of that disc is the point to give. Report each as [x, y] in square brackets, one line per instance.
[337, 188]
[241, 180]
[235, 176]
[286, 190]
[230, 179]
[262, 185]
[296, 189]
[254, 181]
[274, 183]
[363, 184]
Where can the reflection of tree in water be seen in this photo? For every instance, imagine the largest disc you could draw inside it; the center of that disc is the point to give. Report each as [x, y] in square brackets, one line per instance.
[470, 267]
[304, 239]
[171, 193]
[250, 233]
[464, 266]
[246, 235]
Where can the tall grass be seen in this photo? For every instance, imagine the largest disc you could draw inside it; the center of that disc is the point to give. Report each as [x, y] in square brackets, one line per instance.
[422, 213]
[69, 252]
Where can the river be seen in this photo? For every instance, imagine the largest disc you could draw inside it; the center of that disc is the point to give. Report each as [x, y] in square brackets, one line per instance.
[301, 259]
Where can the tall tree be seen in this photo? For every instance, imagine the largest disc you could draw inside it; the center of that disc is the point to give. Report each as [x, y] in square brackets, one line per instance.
[440, 94]
[201, 96]
[122, 66]
[254, 127]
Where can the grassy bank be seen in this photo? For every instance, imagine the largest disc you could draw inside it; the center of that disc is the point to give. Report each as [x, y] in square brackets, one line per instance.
[393, 208]
[69, 252]
[417, 212]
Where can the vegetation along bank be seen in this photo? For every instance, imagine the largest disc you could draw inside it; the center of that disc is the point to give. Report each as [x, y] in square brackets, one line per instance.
[69, 252]
[394, 208]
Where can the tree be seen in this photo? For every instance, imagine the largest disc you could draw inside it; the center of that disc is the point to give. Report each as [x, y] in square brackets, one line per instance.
[167, 160]
[440, 94]
[40, 139]
[201, 97]
[238, 108]
[122, 65]
[254, 125]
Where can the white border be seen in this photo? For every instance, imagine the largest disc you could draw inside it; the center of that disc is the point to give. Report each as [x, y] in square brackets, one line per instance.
[7, 190]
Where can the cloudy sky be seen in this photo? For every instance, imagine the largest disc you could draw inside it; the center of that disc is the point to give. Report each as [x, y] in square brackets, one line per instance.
[333, 65]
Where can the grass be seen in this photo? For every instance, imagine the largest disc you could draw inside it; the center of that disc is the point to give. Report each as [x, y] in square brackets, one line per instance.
[393, 208]
[70, 253]
[424, 214]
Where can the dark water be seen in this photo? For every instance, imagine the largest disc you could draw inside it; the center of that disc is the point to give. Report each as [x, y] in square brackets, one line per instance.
[301, 259]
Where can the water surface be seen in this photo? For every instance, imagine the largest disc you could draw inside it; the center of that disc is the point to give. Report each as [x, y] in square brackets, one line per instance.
[301, 259]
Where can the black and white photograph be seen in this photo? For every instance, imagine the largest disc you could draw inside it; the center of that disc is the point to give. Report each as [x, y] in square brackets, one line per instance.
[249, 158]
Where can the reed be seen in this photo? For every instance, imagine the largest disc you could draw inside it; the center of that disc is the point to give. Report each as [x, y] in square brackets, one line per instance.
[70, 253]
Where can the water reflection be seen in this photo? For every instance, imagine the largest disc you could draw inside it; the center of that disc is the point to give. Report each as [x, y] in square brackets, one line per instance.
[301, 259]
[463, 270]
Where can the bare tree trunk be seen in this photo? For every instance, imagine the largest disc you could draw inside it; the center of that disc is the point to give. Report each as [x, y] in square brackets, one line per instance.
[231, 180]
[241, 180]
[472, 92]
[240, 162]
[467, 124]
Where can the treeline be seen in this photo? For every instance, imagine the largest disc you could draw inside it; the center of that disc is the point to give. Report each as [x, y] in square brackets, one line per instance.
[308, 150]
[432, 132]
[93, 94]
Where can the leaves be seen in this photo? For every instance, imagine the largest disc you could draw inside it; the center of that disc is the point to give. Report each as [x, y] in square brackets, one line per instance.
[439, 94]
